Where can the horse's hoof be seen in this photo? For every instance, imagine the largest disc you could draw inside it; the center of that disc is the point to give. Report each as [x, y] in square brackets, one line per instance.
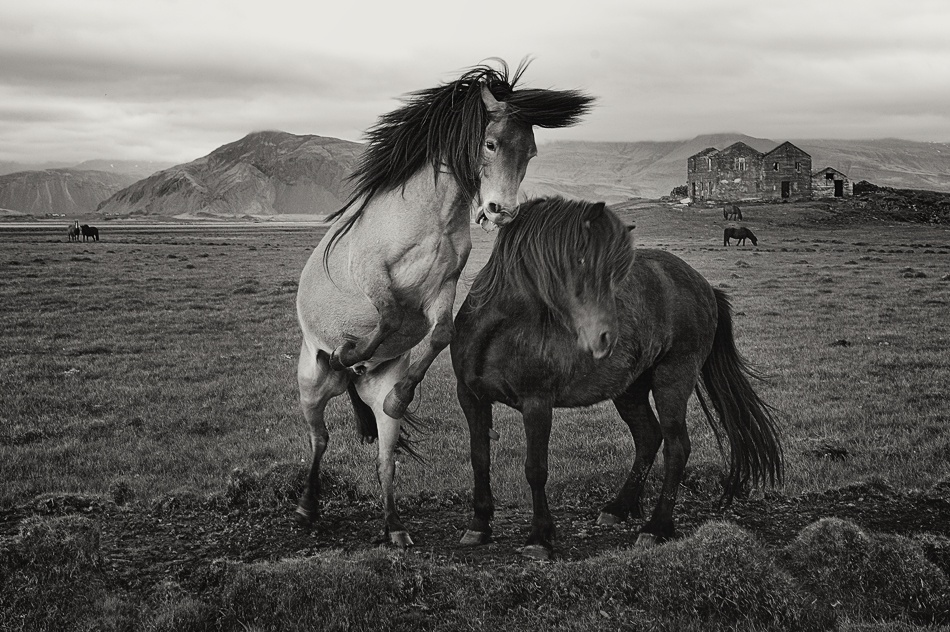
[475, 538]
[537, 552]
[394, 406]
[400, 539]
[646, 541]
[606, 519]
[304, 518]
[335, 362]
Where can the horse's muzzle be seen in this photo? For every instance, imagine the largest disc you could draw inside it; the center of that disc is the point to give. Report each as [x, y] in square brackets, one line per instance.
[496, 214]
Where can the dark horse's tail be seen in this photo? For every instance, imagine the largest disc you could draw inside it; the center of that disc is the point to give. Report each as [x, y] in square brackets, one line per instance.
[369, 432]
[755, 453]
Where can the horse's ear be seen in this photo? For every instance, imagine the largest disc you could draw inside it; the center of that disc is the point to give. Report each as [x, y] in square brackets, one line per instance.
[495, 107]
[630, 227]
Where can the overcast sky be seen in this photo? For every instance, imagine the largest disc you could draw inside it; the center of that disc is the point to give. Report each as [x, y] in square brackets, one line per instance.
[171, 80]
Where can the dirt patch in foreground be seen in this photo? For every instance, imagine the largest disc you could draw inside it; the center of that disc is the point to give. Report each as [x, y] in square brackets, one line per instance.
[143, 544]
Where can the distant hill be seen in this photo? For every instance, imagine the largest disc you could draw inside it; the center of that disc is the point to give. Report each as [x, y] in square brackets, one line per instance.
[616, 171]
[264, 173]
[66, 191]
[138, 168]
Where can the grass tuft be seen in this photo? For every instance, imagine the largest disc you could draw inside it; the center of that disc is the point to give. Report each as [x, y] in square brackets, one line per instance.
[869, 576]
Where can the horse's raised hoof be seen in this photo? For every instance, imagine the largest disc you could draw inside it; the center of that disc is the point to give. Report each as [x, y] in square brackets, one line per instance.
[475, 538]
[394, 406]
[304, 518]
[647, 541]
[537, 552]
[335, 363]
[400, 539]
[606, 519]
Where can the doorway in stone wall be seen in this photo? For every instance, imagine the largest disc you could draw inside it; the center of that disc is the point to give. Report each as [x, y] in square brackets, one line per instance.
[786, 189]
[839, 188]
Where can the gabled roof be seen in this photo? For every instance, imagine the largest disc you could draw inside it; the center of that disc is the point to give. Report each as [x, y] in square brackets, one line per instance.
[826, 170]
[706, 152]
[738, 145]
[790, 145]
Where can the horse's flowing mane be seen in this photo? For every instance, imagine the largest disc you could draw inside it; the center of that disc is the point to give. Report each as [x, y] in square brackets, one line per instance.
[555, 244]
[445, 127]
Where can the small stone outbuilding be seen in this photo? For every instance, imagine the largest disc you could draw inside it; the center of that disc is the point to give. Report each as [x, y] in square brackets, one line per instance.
[831, 183]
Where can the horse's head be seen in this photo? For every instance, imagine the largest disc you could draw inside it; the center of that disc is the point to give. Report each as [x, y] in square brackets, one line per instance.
[601, 263]
[563, 262]
[507, 148]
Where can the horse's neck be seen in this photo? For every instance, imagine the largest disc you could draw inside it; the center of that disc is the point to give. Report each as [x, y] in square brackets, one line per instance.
[423, 206]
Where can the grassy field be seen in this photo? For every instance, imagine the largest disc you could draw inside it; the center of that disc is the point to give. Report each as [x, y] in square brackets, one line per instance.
[157, 361]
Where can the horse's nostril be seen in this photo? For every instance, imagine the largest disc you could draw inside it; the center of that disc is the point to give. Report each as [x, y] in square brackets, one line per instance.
[492, 207]
[606, 340]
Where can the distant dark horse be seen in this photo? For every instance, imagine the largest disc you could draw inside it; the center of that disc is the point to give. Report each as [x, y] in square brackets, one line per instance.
[742, 233]
[734, 213]
[72, 233]
[89, 232]
[564, 315]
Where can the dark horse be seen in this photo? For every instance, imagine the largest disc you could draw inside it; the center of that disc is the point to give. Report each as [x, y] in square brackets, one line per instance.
[741, 234]
[381, 283]
[732, 213]
[89, 232]
[564, 315]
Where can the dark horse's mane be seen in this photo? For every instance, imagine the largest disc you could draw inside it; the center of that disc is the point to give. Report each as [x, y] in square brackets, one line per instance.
[553, 241]
[445, 125]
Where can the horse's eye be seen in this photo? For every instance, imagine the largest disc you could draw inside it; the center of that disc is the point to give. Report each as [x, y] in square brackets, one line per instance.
[490, 145]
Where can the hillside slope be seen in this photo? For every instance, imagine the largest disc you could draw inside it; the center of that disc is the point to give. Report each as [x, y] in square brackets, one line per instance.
[616, 171]
[263, 174]
[66, 191]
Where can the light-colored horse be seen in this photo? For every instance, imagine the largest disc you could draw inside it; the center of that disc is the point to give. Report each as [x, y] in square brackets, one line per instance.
[72, 233]
[382, 281]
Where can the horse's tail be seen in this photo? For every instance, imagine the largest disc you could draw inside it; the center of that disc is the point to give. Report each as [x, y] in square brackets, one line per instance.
[755, 452]
[369, 432]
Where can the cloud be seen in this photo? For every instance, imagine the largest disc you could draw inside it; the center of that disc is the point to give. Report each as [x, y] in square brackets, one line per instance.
[172, 80]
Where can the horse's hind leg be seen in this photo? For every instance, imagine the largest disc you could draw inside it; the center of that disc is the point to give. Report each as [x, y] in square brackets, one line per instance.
[478, 414]
[672, 387]
[372, 388]
[318, 384]
[634, 408]
[438, 338]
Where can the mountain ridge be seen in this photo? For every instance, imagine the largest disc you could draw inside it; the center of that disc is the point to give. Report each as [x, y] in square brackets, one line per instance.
[273, 173]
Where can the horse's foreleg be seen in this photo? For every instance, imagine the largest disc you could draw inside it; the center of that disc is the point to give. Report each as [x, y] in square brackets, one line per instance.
[440, 335]
[358, 350]
[634, 408]
[371, 388]
[479, 416]
[318, 384]
[672, 387]
[537, 428]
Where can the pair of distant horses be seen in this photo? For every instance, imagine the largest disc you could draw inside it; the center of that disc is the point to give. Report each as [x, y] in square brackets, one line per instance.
[741, 233]
[562, 315]
[86, 231]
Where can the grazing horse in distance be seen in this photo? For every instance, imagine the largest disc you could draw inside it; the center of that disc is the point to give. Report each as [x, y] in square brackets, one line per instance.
[383, 279]
[741, 233]
[89, 232]
[73, 232]
[564, 315]
[732, 212]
